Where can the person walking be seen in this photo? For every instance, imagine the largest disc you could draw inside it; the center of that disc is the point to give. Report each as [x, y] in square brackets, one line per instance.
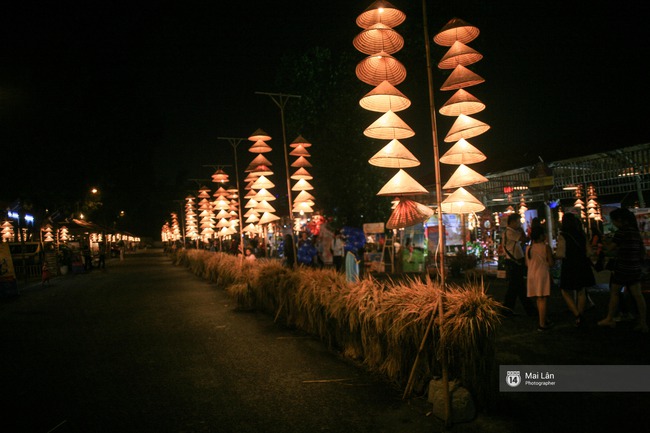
[628, 252]
[513, 238]
[576, 273]
[539, 258]
[45, 275]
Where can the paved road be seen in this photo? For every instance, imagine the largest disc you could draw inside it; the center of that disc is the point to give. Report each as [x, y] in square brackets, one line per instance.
[147, 347]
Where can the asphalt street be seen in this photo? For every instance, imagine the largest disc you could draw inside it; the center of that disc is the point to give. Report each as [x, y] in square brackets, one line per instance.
[147, 347]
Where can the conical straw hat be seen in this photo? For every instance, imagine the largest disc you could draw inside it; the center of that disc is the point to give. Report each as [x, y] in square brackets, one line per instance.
[378, 37]
[301, 161]
[464, 176]
[259, 134]
[465, 127]
[407, 213]
[300, 141]
[251, 228]
[459, 54]
[300, 150]
[264, 206]
[268, 217]
[260, 147]
[223, 213]
[462, 102]
[221, 191]
[381, 67]
[301, 173]
[250, 212]
[251, 193]
[385, 97]
[260, 160]
[460, 78]
[220, 176]
[262, 170]
[302, 207]
[461, 201]
[456, 30]
[252, 203]
[380, 12]
[394, 155]
[302, 185]
[251, 178]
[402, 184]
[462, 153]
[223, 223]
[389, 126]
[264, 195]
[262, 182]
[303, 196]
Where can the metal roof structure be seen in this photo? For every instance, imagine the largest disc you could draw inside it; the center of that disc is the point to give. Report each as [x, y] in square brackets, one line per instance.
[617, 172]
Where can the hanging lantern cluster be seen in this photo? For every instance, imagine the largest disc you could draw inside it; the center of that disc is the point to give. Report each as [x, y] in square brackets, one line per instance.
[259, 210]
[522, 209]
[7, 231]
[462, 104]
[304, 201]
[191, 227]
[579, 203]
[47, 233]
[206, 215]
[380, 69]
[166, 233]
[175, 227]
[593, 208]
[63, 234]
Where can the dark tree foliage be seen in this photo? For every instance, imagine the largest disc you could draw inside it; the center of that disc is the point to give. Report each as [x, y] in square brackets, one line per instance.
[329, 116]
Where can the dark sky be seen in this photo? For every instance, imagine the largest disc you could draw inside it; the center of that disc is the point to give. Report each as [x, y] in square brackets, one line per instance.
[143, 88]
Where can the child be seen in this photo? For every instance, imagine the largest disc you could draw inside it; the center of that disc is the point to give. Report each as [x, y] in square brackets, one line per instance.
[45, 275]
[539, 258]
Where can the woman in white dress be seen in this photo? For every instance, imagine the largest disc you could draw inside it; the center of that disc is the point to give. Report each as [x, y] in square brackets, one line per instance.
[539, 258]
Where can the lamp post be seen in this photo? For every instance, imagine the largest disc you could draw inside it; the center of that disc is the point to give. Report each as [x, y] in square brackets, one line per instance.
[281, 99]
[234, 142]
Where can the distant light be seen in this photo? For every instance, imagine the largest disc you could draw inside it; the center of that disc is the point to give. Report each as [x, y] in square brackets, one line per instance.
[94, 190]
[29, 218]
[13, 215]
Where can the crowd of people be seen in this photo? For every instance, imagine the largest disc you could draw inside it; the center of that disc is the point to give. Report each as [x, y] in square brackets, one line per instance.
[529, 259]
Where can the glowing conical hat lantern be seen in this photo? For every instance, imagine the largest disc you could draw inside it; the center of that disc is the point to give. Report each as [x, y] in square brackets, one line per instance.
[250, 212]
[380, 12]
[394, 155]
[383, 98]
[204, 192]
[220, 192]
[300, 151]
[462, 102]
[307, 202]
[262, 182]
[251, 228]
[252, 219]
[251, 194]
[251, 178]
[301, 173]
[459, 54]
[402, 184]
[461, 201]
[223, 223]
[462, 153]
[464, 176]
[378, 37]
[465, 127]
[381, 67]
[302, 185]
[407, 213]
[264, 206]
[252, 203]
[268, 217]
[260, 147]
[303, 207]
[257, 161]
[259, 134]
[222, 214]
[264, 195]
[303, 196]
[301, 161]
[456, 30]
[220, 176]
[389, 126]
[460, 78]
[300, 141]
[262, 170]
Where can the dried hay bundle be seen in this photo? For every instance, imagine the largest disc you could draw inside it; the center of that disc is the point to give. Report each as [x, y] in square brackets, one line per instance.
[467, 334]
[272, 285]
[242, 294]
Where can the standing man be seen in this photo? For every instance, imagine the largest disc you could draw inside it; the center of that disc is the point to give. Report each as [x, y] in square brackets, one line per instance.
[513, 238]
[338, 246]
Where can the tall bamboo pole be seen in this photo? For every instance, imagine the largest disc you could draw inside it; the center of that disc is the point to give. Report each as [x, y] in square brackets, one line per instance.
[441, 241]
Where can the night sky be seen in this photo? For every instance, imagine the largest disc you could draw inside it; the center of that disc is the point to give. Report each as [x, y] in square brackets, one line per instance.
[132, 96]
